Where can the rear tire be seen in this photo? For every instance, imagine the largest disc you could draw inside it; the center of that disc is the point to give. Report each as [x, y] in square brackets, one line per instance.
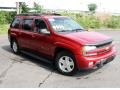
[15, 47]
[66, 63]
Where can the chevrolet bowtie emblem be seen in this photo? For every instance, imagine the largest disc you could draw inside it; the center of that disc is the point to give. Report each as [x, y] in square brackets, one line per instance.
[107, 48]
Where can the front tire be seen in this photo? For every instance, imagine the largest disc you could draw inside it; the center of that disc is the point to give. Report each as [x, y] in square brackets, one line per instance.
[15, 47]
[65, 63]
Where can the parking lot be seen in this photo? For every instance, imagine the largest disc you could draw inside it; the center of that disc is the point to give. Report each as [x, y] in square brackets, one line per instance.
[24, 71]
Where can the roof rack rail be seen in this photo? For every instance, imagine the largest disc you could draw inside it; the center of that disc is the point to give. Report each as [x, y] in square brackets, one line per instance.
[51, 14]
[38, 14]
[28, 14]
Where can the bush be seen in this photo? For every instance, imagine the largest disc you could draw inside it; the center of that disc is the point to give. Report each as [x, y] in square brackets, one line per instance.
[87, 21]
[113, 22]
[10, 16]
[91, 21]
[2, 18]
[6, 17]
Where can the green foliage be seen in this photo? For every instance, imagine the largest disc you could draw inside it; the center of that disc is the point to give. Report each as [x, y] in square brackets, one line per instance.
[91, 21]
[3, 17]
[38, 8]
[113, 22]
[24, 7]
[10, 16]
[87, 21]
[92, 7]
[6, 17]
[4, 28]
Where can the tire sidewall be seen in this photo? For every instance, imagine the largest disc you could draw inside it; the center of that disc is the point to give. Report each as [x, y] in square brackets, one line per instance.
[16, 52]
[65, 53]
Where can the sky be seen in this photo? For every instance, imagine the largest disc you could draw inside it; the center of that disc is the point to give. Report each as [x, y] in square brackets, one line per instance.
[103, 5]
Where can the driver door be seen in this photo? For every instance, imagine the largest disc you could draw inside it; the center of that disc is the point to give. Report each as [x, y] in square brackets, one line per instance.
[42, 43]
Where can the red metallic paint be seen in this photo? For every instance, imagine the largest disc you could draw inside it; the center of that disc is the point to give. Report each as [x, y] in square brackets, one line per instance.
[73, 42]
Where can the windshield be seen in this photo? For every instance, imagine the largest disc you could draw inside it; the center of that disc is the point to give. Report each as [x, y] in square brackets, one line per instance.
[64, 24]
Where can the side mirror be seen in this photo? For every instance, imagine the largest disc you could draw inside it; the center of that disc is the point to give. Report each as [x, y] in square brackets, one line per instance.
[45, 31]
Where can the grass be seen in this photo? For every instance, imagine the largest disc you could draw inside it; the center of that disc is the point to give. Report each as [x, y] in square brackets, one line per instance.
[4, 28]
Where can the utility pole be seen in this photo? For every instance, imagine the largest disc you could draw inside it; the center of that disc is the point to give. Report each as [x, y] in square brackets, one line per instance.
[18, 7]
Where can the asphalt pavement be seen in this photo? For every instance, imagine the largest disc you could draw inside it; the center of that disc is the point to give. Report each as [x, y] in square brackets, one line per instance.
[25, 71]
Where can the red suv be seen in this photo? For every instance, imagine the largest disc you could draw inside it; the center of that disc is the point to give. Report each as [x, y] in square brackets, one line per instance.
[61, 40]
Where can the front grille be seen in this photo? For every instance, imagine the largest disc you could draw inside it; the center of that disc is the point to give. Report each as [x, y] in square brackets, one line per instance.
[107, 47]
[101, 44]
[103, 47]
[104, 44]
[105, 51]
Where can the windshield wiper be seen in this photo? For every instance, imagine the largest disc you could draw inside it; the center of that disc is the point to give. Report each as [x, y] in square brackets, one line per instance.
[64, 30]
[77, 30]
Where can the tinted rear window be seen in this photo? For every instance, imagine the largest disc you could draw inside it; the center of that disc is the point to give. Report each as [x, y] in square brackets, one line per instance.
[16, 23]
[27, 24]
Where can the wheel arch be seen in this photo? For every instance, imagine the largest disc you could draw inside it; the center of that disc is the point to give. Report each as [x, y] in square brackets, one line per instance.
[11, 39]
[60, 49]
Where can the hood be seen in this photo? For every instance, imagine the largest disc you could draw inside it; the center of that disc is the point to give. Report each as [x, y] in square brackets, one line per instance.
[87, 37]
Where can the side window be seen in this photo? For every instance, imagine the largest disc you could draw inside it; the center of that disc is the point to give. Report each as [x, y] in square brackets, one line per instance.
[27, 24]
[15, 23]
[40, 24]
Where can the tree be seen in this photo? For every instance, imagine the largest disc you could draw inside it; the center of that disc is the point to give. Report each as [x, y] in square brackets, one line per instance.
[38, 8]
[92, 7]
[24, 7]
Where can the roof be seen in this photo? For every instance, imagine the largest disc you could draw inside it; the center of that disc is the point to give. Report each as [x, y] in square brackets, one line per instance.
[38, 14]
[43, 15]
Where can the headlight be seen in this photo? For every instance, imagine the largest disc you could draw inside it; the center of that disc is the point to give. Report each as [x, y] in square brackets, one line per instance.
[87, 49]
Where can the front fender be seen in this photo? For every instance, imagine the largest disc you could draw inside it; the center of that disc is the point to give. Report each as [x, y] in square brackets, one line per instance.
[69, 47]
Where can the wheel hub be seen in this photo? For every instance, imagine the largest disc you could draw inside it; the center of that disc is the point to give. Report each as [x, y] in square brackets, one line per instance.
[66, 64]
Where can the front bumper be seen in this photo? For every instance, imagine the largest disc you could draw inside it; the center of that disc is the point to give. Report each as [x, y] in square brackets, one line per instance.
[105, 61]
[91, 62]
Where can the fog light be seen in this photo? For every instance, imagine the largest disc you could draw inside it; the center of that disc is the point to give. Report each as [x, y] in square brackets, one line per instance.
[90, 63]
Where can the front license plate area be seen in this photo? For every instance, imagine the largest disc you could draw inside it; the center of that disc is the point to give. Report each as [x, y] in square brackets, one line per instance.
[101, 63]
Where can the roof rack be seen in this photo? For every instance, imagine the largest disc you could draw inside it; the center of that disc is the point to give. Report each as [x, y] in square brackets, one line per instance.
[38, 14]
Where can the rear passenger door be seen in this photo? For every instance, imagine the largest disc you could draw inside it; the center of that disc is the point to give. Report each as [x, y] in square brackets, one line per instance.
[15, 27]
[26, 33]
